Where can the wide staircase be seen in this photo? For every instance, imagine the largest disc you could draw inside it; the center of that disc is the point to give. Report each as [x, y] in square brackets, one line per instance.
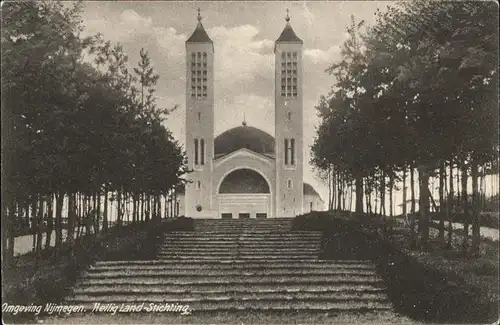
[239, 265]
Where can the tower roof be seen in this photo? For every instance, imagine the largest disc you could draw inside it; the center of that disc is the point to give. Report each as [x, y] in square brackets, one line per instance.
[199, 35]
[288, 35]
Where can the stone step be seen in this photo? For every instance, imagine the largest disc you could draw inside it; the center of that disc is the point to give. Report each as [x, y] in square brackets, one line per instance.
[251, 220]
[250, 266]
[195, 253]
[173, 289]
[291, 233]
[206, 273]
[263, 234]
[257, 245]
[256, 242]
[199, 235]
[294, 263]
[240, 236]
[195, 249]
[224, 297]
[101, 279]
[243, 224]
[269, 248]
[198, 256]
[277, 305]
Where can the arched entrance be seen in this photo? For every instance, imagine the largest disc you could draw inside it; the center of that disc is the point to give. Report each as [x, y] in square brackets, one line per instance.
[244, 193]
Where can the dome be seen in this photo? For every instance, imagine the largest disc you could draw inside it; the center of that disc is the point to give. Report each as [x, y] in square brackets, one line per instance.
[244, 137]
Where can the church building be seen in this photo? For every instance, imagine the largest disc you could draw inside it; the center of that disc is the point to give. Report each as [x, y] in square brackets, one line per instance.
[245, 172]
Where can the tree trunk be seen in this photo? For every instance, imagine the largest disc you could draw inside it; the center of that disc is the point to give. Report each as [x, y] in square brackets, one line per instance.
[412, 190]
[449, 212]
[142, 206]
[382, 194]
[465, 208]
[329, 178]
[442, 176]
[351, 189]
[72, 218]
[158, 211]
[476, 238]
[334, 188]
[459, 196]
[50, 220]
[424, 206]
[134, 208]
[404, 192]
[105, 213]
[58, 223]
[165, 206]
[339, 192]
[391, 185]
[119, 208]
[359, 194]
[7, 233]
[98, 214]
[34, 225]
[39, 233]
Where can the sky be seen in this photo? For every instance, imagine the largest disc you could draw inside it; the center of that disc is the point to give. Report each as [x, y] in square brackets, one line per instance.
[243, 34]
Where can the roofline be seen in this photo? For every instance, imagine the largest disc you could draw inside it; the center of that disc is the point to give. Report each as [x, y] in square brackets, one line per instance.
[242, 150]
[212, 43]
[247, 126]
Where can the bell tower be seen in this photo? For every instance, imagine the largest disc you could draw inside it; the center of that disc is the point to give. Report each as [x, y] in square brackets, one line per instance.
[288, 122]
[199, 121]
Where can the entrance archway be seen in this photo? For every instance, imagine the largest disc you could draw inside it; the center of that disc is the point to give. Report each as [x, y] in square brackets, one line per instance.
[244, 193]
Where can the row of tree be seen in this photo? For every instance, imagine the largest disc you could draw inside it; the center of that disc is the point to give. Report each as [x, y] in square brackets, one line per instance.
[77, 124]
[415, 93]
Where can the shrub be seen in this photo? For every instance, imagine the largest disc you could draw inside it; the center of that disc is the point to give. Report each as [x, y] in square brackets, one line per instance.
[484, 266]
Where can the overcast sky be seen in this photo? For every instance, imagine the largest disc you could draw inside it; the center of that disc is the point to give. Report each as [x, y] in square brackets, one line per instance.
[243, 34]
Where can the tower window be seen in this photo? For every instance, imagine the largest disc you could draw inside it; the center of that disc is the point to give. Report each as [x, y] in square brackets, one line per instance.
[199, 151]
[288, 73]
[289, 115]
[199, 116]
[289, 152]
[289, 183]
[198, 185]
[286, 151]
[196, 150]
[202, 152]
[199, 60]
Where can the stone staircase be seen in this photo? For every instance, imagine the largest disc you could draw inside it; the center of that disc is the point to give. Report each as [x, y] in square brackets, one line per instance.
[236, 266]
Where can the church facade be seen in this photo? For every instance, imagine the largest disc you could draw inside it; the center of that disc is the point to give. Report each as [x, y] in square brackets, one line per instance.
[245, 172]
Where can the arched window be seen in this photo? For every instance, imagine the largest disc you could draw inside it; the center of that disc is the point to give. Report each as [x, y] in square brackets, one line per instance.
[290, 152]
[202, 152]
[199, 152]
[196, 151]
[286, 152]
